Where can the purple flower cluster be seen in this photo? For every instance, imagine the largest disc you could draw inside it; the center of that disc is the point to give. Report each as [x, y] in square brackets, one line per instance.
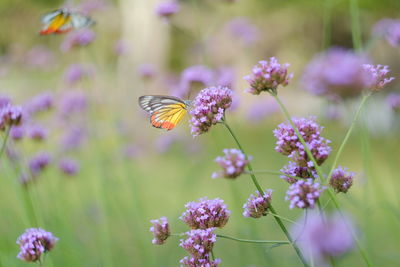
[336, 73]
[389, 29]
[293, 169]
[341, 180]
[232, 163]
[267, 76]
[242, 29]
[203, 262]
[393, 100]
[167, 8]
[68, 166]
[34, 242]
[199, 242]
[321, 239]
[160, 230]
[257, 205]
[304, 193]
[39, 162]
[4, 101]
[196, 75]
[206, 213]
[37, 132]
[288, 143]
[17, 132]
[209, 108]
[72, 102]
[378, 76]
[76, 72]
[41, 102]
[10, 115]
[82, 37]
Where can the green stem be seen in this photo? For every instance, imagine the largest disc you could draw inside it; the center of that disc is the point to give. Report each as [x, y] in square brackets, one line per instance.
[327, 24]
[355, 25]
[274, 173]
[253, 241]
[254, 179]
[3, 146]
[281, 217]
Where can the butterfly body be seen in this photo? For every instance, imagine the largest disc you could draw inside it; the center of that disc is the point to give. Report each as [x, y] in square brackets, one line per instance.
[165, 111]
[62, 21]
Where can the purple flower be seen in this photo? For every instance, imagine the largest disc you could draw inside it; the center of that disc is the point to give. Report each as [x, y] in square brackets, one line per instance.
[72, 102]
[34, 242]
[196, 76]
[37, 132]
[304, 193]
[4, 101]
[341, 180]
[232, 163]
[225, 76]
[243, 30]
[389, 29]
[394, 101]
[257, 205]
[203, 262]
[292, 169]
[288, 143]
[77, 72]
[68, 166]
[267, 76]
[160, 230]
[41, 102]
[121, 47]
[72, 138]
[146, 71]
[39, 162]
[89, 6]
[261, 110]
[10, 115]
[39, 57]
[81, 37]
[209, 108]
[167, 8]
[17, 132]
[336, 73]
[199, 242]
[206, 213]
[321, 239]
[378, 76]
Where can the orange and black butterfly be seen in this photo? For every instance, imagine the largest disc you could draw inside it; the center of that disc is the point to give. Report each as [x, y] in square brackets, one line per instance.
[165, 111]
[62, 21]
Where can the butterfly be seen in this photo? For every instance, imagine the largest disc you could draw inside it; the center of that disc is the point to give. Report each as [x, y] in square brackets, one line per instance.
[165, 111]
[62, 21]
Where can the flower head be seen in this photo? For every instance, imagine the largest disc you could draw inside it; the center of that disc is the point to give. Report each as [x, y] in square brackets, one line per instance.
[167, 8]
[34, 242]
[206, 213]
[209, 108]
[321, 239]
[199, 242]
[160, 230]
[288, 143]
[304, 193]
[196, 75]
[341, 180]
[378, 76]
[17, 132]
[393, 100]
[257, 205]
[232, 163]
[206, 261]
[10, 115]
[267, 76]
[293, 169]
[4, 101]
[72, 102]
[242, 29]
[41, 102]
[388, 29]
[39, 162]
[37, 132]
[76, 72]
[69, 166]
[82, 37]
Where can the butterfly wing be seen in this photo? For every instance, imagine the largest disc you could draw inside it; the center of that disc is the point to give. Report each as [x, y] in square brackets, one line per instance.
[81, 21]
[58, 21]
[165, 111]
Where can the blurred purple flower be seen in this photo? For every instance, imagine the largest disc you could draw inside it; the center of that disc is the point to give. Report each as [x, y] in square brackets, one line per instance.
[10, 116]
[72, 102]
[206, 261]
[39, 162]
[336, 73]
[257, 205]
[76, 72]
[90, 6]
[260, 110]
[267, 76]
[34, 242]
[165, 142]
[225, 77]
[293, 169]
[388, 29]
[243, 30]
[341, 180]
[72, 138]
[206, 213]
[167, 8]
[209, 108]
[393, 100]
[199, 242]
[4, 100]
[39, 57]
[146, 70]
[378, 77]
[37, 132]
[233, 164]
[81, 37]
[195, 76]
[288, 143]
[304, 194]
[40, 102]
[320, 239]
[120, 47]
[69, 166]
[160, 230]
[17, 132]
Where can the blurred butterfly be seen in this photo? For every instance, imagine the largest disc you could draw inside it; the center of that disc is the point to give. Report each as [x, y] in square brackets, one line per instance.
[165, 111]
[62, 21]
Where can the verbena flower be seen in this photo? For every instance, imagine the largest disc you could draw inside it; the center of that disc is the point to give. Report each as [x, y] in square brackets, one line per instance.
[257, 205]
[9, 116]
[378, 76]
[320, 239]
[206, 213]
[167, 8]
[267, 76]
[304, 194]
[69, 166]
[388, 29]
[195, 76]
[203, 262]
[76, 72]
[41, 102]
[341, 180]
[209, 108]
[261, 109]
[4, 100]
[225, 76]
[293, 169]
[289, 145]
[73, 138]
[37, 132]
[243, 30]
[34, 242]
[82, 37]
[199, 242]
[17, 132]
[72, 102]
[233, 163]
[160, 230]
[393, 100]
[146, 70]
[336, 73]
[39, 162]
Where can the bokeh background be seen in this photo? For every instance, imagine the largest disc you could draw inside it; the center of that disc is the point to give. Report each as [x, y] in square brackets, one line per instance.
[130, 172]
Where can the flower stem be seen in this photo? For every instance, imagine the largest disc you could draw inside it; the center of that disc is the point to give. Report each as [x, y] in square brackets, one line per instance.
[283, 218]
[274, 173]
[254, 179]
[253, 241]
[355, 25]
[3, 146]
